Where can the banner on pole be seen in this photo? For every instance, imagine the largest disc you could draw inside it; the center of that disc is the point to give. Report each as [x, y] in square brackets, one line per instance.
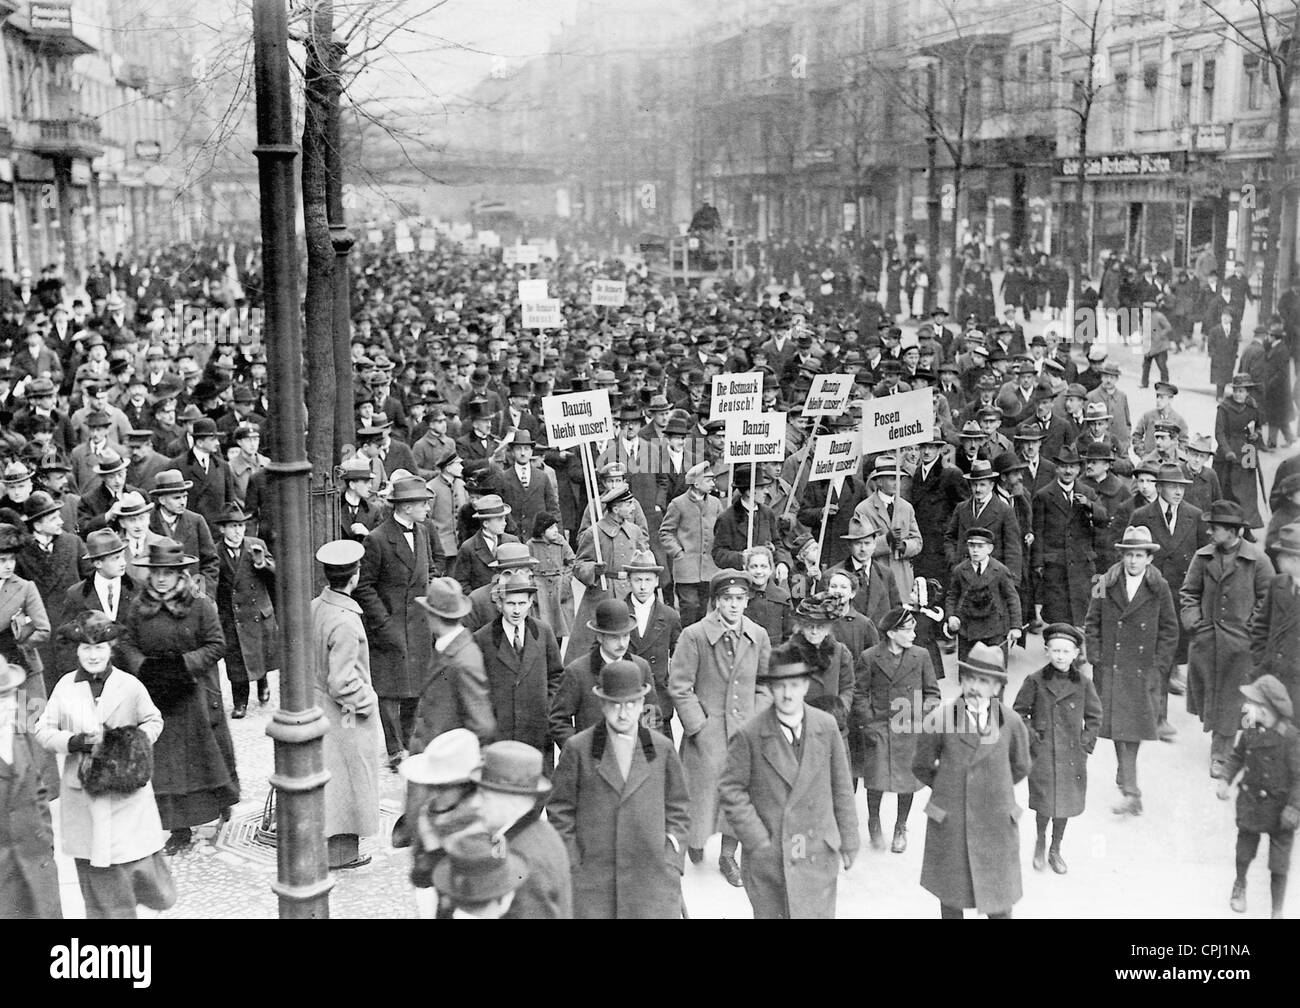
[896, 421]
[829, 395]
[835, 456]
[404, 245]
[541, 314]
[533, 290]
[577, 417]
[610, 293]
[754, 437]
[734, 394]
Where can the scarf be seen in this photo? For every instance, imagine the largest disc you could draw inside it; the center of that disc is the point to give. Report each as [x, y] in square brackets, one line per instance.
[177, 603]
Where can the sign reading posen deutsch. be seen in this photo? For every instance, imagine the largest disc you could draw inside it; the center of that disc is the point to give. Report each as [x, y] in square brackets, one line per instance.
[896, 421]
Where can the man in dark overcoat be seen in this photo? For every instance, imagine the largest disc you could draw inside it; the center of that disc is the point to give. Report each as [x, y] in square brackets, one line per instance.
[1066, 515]
[1275, 623]
[972, 752]
[620, 804]
[986, 510]
[936, 492]
[787, 793]
[213, 482]
[526, 487]
[394, 573]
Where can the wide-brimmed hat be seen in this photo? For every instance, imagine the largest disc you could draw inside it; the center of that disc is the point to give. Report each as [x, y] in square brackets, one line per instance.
[984, 659]
[166, 552]
[451, 758]
[1244, 381]
[130, 504]
[38, 505]
[444, 598]
[1029, 432]
[786, 662]
[514, 768]
[477, 869]
[1172, 472]
[1268, 690]
[512, 556]
[1068, 456]
[1098, 451]
[1095, 411]
[1138, 537]
[518, 579]
[169, 481]
[1201, 443]
[620, 681]
[490, 506]
[642, 562]
[822, 607]
[981, 469]
[89, 627]
[103, 543]
[1225, 512]
[522, 438]
[612, 617]
[859, 529]
[17, 472]
[232, 514]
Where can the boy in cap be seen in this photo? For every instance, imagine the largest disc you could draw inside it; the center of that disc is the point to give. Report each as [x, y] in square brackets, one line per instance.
[1267, 759]
[982, 604]
[972, 752]
[788, 796]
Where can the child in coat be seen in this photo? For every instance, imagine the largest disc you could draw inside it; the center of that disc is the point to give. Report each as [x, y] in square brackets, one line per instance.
[983, 604]
[1062, 711]
[1267, 756]
[554, 575]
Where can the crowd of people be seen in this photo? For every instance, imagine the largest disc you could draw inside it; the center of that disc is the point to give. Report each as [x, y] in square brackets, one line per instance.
[584, 675]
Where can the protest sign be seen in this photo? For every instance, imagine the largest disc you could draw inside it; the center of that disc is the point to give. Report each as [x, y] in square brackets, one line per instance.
[527, 255]
[612, 293]
[736, 393]
[896, 421]
[754, 437]
[829, 395]
[489, 239]
[428, 240]
[835, 456]
[533, 290]
[541, 314]
[404, 244]
[375, 236]
[576, 417]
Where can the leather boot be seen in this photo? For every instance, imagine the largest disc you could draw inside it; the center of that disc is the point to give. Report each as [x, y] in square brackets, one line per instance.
[876, 833]
[1040, 854]
[1238, 900]
[730, 871]
[1055, 860]
[900, 839]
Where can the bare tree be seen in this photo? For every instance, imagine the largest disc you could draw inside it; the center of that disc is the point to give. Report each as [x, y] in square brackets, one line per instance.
[1269, 32]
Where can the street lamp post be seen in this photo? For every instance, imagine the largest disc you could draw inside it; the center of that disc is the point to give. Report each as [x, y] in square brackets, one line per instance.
[303, 881]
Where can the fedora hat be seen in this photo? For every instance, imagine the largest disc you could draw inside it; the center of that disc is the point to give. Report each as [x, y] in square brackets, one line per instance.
[972, 429]
[166, 553]
[445, 599]
[355, 468]
[612, 617]
[410, 489]
[40, 387]
[512, 556]
[620, 681]
[130, 504]
[642, 562]
[513, 768]
[981, 469]
[103, 543]
[12, 677]
[1244, 381]
[89, 627]
[886, 466]
[984, 659]
[1138, 537]
[1225, 512]
[677, 427]
[17, 472]
[786, 662]
[474, 871]
[1201, 443]
[11, 538]
[1009, 462]
[490, 506]
[1172, 472]
[169, 481]
[110, 462]
[1029, 432]
[1068, 456]
[232, 514]
[1095, 411]
[1098, 451]
[206, 427]
[522, 438]
[859, 529]
[99, 418]
[517, 579]
[451, 758]
[1268, 690]
[38, 505]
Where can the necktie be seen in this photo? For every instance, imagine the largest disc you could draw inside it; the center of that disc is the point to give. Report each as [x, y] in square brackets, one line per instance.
[518, 641]
[1169, 518]
[889, 509]
[523, 477]
[112, 601]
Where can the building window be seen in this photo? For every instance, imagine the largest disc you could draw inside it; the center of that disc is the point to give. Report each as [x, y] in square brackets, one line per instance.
[1254, 83]
[1046, 60]
[1150, 94]
[1207, 90]
[1022, 65]
[1185, 73]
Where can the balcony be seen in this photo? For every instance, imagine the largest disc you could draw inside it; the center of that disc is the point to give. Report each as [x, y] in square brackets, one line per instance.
[77, 137]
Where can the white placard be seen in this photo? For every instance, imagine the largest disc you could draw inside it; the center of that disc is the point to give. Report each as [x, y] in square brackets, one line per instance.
[541, 314]
[754, 437]
[489, 239]
[428, 240]
[400, 230]
[611, 293]
[896, 421]
[835, 456]
[829, 395]
[405, 245]
[527, 255]
[577, 417]
[736, 393]
[533, 290]
[375, 236]
[510, 255]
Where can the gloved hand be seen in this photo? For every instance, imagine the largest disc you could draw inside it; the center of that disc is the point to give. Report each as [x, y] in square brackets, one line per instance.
[598, 569]
[80, 742]
[1291, 817]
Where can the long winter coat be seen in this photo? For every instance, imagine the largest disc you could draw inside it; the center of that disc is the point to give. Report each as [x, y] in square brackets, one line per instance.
[1271, 781]
[999, 518]
[794, 815]
[392, 578]
[575, 708]
[194, 758]
[554, 575]
[113, 828]
[686, 535]
[893, 693]
[714, 695]
[972, 839]
[1131, 644]
[1232, 432]
[1062, 715]
[618, 543]
[731, 532]
[1275, 635]
[29, 881]
[522, 686]
[250, 622]
[1064, 546]
[934, 498]
[457, 695]
[904, 529]
[617, 831]
[53, 574]
[773, 610]
[987, 604]
[1216, 601]
[657, 646]
[340, 671]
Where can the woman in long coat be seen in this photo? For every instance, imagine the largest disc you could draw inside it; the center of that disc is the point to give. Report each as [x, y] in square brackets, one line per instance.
[1131, 644]
[340, 664]
[1222, 348]
[892, 671]
[829, 662]
[1217, 597]
[172, 642]
[245, 582]
[114, 838]
[1237, 428]
[554, 575]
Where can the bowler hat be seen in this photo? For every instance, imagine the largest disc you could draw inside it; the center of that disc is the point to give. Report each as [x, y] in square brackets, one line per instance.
[642, 562]
[103, 543]
[513, 768]
[1225, 512]
[1268, 690]
[1172, 472]
[169, 481]
[984, 659]
[451, 758]
[445, 599]
[981, 469]
[620, 681]
[478, 869]
[612, 617]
